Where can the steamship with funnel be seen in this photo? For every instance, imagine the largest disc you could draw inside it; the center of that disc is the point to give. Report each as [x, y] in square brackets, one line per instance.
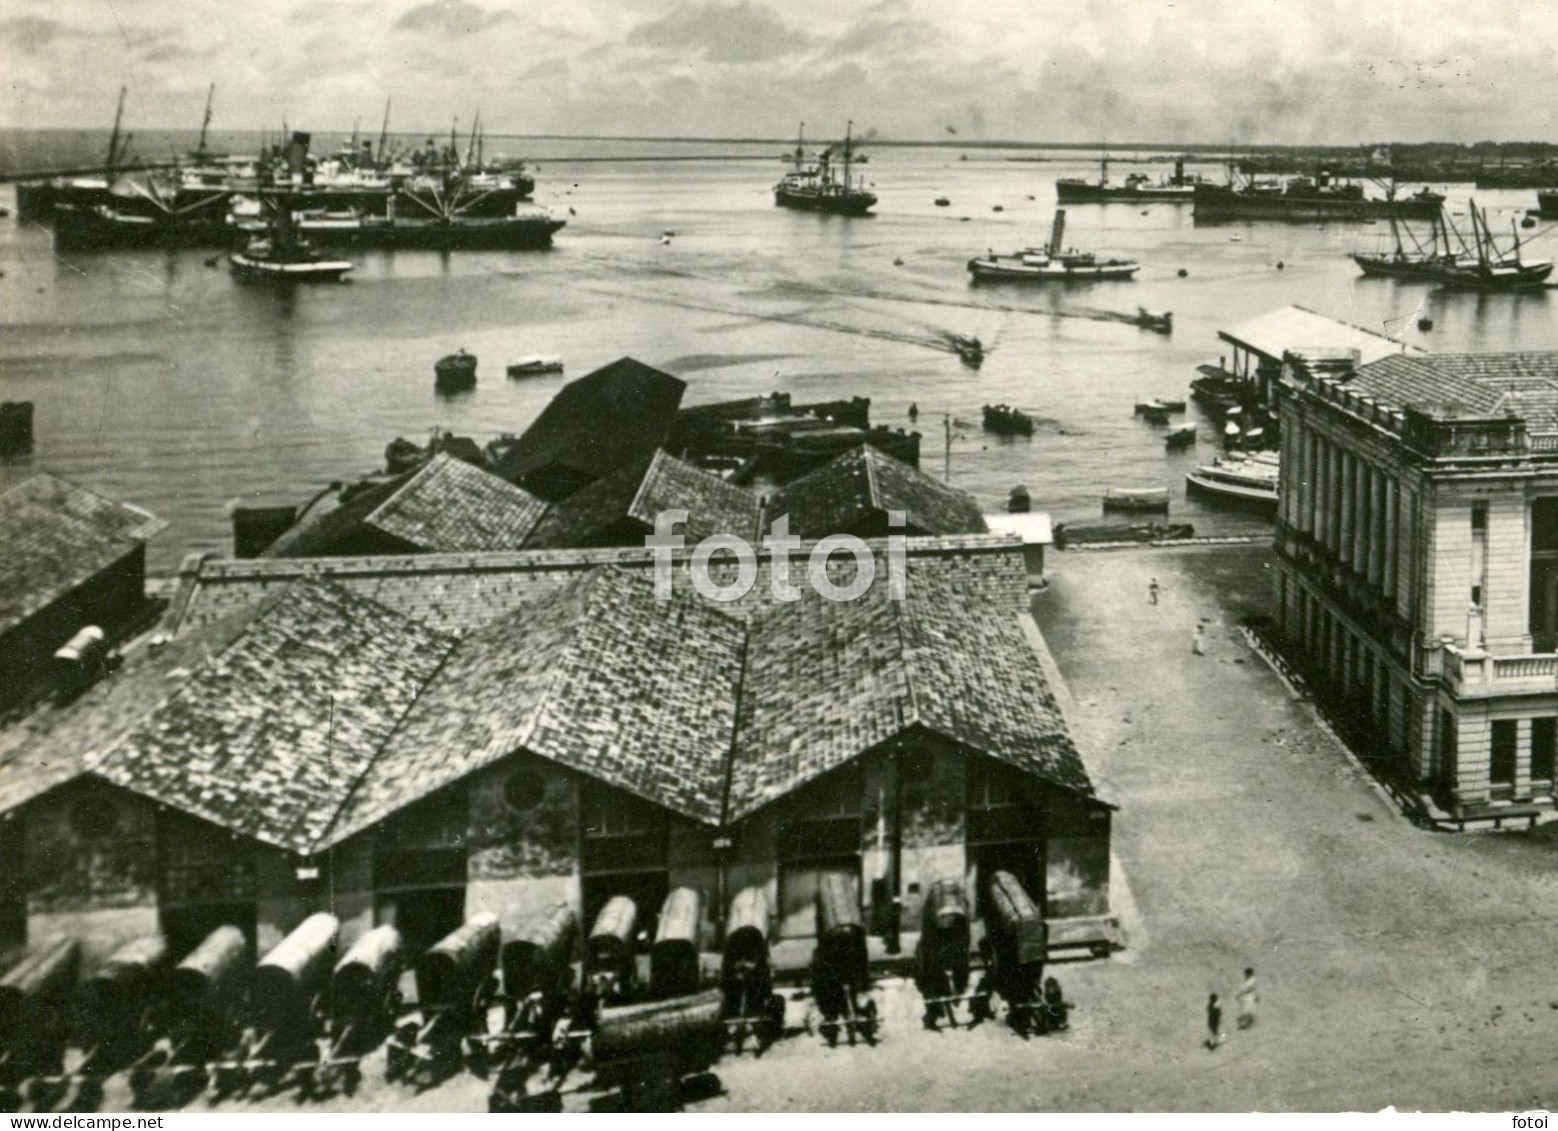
[822, 187]
[1052, 263]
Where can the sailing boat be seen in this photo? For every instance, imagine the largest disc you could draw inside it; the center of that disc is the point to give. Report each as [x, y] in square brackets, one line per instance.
[1492, 269]
[818, 188]
[282, 257]
[1420, 262]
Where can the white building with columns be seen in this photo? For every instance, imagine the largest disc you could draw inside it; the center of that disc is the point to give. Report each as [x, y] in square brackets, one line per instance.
[1417, 565]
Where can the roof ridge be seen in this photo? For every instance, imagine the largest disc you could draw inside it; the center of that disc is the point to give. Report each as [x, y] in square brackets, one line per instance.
[735, 725]
[643, 480]
[873, 489]
[325, 838]
[414, 478]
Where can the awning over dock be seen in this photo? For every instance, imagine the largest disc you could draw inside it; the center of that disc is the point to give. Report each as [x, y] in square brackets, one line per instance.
[1295, 327]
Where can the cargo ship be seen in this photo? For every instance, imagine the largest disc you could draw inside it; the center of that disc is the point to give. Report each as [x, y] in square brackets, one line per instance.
[1305, 200]
[1136, 188]
[818, 188]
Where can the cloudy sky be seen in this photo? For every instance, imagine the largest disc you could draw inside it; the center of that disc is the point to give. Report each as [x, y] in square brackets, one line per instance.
[1073, 70]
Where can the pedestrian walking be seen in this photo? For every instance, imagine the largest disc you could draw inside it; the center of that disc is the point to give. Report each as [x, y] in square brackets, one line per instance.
[1198, 641]
[1152, 591]
[1248, 996]
[1214, 1023]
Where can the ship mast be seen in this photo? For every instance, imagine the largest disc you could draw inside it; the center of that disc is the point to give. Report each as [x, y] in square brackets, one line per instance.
[800, 148]
[205, 123]
[383, 133]
[113, 138]
[848, 128]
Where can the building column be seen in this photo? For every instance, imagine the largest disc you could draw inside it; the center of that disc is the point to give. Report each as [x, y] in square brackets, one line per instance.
[1349, 509]
[1377, 526]
[1392, 523]
[1522, 760]
[1322, 491]
[1307, 506]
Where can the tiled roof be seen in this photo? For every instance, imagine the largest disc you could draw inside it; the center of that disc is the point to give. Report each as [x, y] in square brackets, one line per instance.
[55, 536]
[318, 712]
[326, 532]
[462, 592]
[53, 744]
[864, 483]
[600, 677]
[826, 681]
[1468, 384]
[445, 506]
[636, 494]
[267, 738]
[449, 506]
[599, 422]
[1295, 327]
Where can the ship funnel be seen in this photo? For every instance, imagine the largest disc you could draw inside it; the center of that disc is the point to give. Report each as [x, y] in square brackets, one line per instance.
[1058, 232]
[297, 155]
[1179, 170]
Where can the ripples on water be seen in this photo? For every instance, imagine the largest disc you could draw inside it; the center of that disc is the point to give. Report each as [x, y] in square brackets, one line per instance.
[159, 380]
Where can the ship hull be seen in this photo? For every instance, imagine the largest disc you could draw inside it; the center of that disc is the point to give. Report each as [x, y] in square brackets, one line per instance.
[837, 204]
[1081, 192]
[1218, 203]
[93, 232]
[985, 270]
[1385, 267]
[1547, 203]
[252, 270]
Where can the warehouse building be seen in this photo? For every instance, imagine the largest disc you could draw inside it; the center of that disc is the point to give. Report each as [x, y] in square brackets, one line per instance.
[414, 740]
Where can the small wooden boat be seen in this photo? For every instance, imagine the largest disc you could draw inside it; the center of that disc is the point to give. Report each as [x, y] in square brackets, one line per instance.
[1182, 437]
[942, 202]
[1153, 414]
[527, 366]
[1158, 405]
[455, 372]
[1004, 420]
[1018, 501]
[1161, 321]
[1137, 499]
[1070, 534]
[970, 350]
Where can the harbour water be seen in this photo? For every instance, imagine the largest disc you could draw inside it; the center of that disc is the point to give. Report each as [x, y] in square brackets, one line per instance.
[158, 379]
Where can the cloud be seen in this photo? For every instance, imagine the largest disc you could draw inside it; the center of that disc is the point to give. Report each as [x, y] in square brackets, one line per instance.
[721, 33]
[30, 34]
[450, 17]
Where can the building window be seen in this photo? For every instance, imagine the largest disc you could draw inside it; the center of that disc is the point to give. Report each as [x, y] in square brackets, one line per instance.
[1447, 744]
[1544, 748]
[1501, 764]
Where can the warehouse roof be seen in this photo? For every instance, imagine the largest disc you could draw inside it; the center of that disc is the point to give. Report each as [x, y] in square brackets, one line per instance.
[55, 536]
[829, 680]
[445, 506]
[600, 677]
[857, 490]
[624, 506]
[598, 423]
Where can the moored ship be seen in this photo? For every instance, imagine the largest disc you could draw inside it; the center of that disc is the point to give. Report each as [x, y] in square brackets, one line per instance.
[818, 188]
[1305, 199]
[1249, 481]
[1137, 187]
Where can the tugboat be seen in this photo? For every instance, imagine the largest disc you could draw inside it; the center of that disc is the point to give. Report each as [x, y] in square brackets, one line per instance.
[283, 258]
[455, 373]
[817, 189]
[529, 366]
[1004, 420]
[1051, 264]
